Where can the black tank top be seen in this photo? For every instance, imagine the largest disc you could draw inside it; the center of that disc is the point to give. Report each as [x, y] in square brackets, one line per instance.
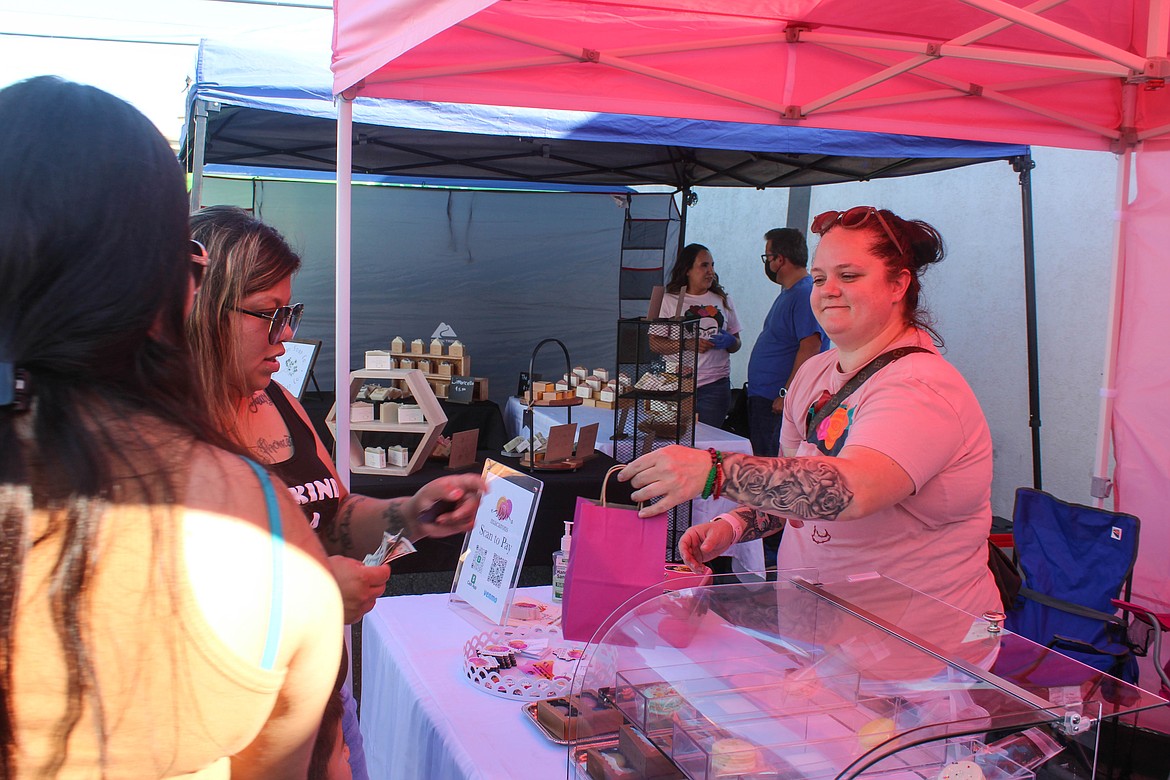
[309, 480]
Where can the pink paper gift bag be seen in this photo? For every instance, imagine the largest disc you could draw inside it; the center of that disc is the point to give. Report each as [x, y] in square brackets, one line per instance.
[615, 555]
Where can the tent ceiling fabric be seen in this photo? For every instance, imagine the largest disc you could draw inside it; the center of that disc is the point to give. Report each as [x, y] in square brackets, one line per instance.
[1071, 73]
[241, 136]
[275, 109]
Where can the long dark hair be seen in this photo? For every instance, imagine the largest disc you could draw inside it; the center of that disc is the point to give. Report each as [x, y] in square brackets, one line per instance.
[94, 282]
[677, 283]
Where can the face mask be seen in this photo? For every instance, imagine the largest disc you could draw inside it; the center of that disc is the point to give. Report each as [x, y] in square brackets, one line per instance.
[770, 273]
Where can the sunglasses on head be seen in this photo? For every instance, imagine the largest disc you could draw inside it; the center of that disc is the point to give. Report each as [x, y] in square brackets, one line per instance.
[198, 263]
[280, 318]
[853, 218]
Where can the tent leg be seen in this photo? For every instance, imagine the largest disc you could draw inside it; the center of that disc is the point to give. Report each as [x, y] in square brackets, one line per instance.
[341, 300]
[1023, 165]
[199, 154]
[688, 198]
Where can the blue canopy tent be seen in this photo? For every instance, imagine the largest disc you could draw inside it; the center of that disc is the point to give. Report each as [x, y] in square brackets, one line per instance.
[276, 109]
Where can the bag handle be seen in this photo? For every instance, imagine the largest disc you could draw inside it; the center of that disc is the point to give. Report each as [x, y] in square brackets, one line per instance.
[605, 480]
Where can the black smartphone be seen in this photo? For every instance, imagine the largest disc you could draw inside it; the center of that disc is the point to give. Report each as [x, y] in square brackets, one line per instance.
[432, 512]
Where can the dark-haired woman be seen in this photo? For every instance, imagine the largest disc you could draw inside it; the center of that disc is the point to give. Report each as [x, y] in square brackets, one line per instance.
[893, 477]
[693, 291]
[125, 648]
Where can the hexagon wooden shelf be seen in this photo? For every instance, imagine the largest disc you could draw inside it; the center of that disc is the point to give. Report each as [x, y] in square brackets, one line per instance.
[433, 416]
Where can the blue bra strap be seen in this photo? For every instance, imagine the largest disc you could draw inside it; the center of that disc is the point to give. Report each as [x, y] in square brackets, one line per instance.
[276, 532]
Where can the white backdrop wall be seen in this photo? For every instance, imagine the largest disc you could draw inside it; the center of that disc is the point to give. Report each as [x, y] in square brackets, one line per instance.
[503, 269]
[976, 294]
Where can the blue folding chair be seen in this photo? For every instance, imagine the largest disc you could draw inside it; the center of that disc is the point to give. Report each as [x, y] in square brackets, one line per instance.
[1075, 560]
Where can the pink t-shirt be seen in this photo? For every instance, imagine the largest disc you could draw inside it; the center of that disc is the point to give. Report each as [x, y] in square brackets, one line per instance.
[920, 412]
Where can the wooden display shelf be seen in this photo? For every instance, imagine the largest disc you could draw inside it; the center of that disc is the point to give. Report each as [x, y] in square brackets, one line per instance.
[434, 419]
[563, 402]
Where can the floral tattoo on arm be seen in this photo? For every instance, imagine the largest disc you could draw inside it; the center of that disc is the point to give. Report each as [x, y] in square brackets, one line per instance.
[807, 488]
[759, 524]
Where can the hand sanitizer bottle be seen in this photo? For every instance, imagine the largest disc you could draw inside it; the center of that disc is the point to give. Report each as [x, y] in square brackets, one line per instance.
[561, 563]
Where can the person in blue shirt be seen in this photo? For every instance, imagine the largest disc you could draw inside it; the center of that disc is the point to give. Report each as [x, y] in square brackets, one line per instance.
[791, 335]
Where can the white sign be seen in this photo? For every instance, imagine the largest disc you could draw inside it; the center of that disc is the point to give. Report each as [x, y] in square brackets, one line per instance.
[493, 550]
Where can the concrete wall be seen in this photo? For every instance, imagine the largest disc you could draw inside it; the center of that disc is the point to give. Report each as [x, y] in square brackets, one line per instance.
[977, 293]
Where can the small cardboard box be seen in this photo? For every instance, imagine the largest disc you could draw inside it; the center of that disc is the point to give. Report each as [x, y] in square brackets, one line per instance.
[444, 368]
[378, 360]
[416, 347]
[397, 344]
[424, 365]
[456, 348]
[406, 363]
[436, 347]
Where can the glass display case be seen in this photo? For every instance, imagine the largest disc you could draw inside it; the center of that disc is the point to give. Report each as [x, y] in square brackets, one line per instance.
[793, 679]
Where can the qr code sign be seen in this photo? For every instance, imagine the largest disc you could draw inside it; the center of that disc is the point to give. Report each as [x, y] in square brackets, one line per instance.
[496, 574]
[480, 555]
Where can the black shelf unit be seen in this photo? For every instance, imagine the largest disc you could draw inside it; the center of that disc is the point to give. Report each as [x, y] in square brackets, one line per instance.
[664, 353]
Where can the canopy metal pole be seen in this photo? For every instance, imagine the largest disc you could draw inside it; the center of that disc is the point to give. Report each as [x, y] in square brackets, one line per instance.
[1101, 485]
[341, 300]
[198, 154]
[1023, 165]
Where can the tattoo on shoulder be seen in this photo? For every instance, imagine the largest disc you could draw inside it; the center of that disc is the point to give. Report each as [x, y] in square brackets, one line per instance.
[802, 487]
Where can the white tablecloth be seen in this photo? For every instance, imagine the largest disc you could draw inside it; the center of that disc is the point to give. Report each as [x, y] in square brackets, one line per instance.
[749, 555]
[421, 718]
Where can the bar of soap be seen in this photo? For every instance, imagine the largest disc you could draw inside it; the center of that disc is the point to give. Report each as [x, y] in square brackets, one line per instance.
[436, 347]
[397, 455]
[375, 458]
[456, 348]
[584, 391]
[410, 413]
[388, 412]
[361, 412]
[397, 344]
[514, 444]
[378, 360]
[416, 346]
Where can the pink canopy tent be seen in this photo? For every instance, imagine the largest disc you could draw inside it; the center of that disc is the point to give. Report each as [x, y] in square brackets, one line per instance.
[1085, 74]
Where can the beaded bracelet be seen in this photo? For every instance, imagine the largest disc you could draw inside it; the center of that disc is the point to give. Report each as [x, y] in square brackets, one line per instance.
[717, 456]
[715, 476]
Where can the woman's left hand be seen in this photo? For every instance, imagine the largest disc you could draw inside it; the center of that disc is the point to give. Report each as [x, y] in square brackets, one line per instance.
[674, 473]
[463, 491]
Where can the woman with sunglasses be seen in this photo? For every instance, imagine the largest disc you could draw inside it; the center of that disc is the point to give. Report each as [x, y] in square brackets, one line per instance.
[893, 476]
[242, 314]
[128, 535]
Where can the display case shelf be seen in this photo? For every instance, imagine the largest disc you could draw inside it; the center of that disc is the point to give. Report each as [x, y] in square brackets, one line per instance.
[434, 419]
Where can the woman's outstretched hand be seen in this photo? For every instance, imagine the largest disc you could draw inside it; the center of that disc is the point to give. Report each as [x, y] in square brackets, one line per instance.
[673, 474]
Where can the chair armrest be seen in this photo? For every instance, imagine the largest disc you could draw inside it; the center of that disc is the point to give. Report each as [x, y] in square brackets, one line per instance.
[1145, 614]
